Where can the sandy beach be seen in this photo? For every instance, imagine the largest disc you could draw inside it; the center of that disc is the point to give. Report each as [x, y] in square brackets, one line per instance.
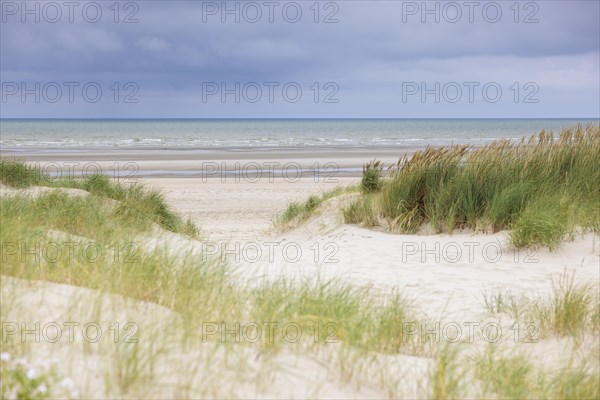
[300, 200]
[444, 277]
[446, 274]
[249, 164]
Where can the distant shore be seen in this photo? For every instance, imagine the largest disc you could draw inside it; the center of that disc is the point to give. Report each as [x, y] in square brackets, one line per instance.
[259, 162]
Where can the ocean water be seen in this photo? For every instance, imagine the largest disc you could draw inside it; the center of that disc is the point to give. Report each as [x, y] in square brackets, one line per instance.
[54, 134]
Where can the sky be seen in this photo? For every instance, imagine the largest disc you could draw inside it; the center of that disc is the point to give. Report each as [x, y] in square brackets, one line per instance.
[303, 59]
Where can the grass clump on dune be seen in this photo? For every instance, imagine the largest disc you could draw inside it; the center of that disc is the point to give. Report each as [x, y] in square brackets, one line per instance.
[17, 174]
[507, 377]
[334, 312]
[81, 216]
[447, 374]
[516, 377]
[501, 373]
[297, 212]
[543, 189]
[372, 177]
[136, 203]
[361, 211]
[197, 288]
[571, 309]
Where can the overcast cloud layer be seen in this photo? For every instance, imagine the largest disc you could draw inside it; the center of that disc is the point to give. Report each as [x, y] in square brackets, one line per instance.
[373, 62]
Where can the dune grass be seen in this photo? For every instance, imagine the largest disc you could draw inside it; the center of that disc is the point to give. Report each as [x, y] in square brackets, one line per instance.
[199, 290]
[136, 203]
[361, 211]
[508, 377]
[506, 373]
[542, 189]
[300, 211]
[571, 309]
[516, 377]
[16, 173]
[372, 177]
[357, 321]
[334, 312]
[447, 374]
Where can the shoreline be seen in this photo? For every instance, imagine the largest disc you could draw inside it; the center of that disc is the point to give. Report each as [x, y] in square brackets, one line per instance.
[324, 269]
[250, 163]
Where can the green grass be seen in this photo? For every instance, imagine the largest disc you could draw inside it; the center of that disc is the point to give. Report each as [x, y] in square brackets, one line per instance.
[335, 312]
[372, 177]
[83, 216]
[137, 205]
[545, 221]
[574, 383]
[498, 302]
[199, 290]
[447, 375]
[507, 377]
[365, 323]
[515, 376]
[16, 173]
[570, 310]
[298, 212]
[361, 211]
[543, 189]
[506, 373]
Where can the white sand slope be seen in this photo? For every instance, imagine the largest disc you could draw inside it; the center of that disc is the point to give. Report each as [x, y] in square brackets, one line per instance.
[444, 275]
[100, 367]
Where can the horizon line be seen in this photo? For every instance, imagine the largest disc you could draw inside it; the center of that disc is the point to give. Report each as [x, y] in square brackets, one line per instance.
[290, 118]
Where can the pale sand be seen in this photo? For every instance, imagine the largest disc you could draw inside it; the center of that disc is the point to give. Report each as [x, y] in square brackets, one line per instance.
[239, 211]
[336, 161]
[204, 368]
[444, 275]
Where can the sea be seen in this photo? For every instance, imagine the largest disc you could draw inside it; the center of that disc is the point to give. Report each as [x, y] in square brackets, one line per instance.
[64, 134]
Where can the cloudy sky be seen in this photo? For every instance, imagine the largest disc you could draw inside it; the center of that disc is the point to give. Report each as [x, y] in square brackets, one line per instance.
[272, 59]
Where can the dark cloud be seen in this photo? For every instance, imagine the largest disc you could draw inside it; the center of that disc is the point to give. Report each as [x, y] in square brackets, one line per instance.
[368, 53]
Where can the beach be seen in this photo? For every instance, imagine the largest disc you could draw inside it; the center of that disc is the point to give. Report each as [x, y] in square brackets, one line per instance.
[231, 193]
[300, 200]
[469, 287]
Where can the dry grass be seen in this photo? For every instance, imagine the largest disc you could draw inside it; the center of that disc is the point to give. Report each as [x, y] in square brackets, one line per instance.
[542, 189]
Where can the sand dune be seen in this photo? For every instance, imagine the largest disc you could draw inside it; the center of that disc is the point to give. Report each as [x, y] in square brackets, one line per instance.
[445, 274]
[445, 277]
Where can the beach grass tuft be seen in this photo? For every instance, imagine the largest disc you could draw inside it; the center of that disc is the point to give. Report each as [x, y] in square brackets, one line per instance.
[197, 288]
[508, 377]
[300, 211]
[135, 202]
[16, 173]
[570, 310]
[543, 189]
[515, 376]
[372, 177]
[447, 374]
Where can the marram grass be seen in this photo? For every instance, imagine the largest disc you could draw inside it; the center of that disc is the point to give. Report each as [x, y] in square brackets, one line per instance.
[205, 291]
[572, 309]
[198, 289]
[500, 372]
[543, 189]
[297, 212]
[136, 203]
